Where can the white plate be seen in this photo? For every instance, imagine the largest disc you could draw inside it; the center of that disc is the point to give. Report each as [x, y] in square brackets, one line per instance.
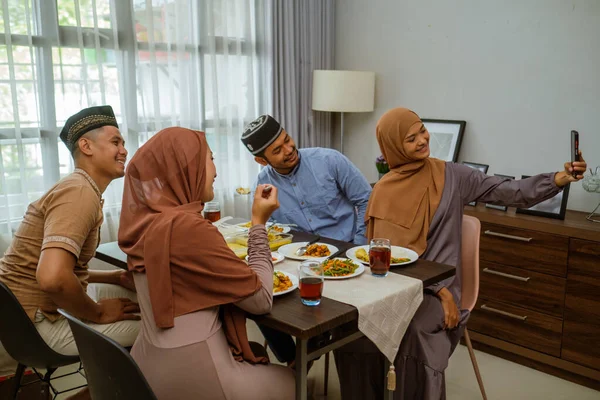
[226, 228]
[294, 280]
[397, 251]
[357, 271]
[277, 258]
[289, 251]
[241, 226]
[286, 229]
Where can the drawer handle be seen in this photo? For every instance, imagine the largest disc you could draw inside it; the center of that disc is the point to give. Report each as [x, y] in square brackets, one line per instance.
[518, 278]
[507, 314]
[504, 235]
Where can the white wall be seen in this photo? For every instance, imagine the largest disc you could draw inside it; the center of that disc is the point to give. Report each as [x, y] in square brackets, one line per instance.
[522, 73]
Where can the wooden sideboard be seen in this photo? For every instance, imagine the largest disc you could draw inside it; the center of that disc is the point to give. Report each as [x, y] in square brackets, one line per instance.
[539, 297]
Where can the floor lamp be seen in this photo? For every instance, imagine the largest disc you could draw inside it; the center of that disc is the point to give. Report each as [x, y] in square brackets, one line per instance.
[343, 91]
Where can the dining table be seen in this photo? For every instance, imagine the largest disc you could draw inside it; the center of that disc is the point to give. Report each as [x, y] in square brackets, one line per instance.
[333, 322]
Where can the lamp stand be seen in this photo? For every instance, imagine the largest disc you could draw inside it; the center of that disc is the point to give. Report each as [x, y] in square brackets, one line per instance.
[342, 135]
[594, 215]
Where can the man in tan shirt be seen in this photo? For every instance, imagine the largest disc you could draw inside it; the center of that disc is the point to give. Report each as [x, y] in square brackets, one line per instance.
[46, 263]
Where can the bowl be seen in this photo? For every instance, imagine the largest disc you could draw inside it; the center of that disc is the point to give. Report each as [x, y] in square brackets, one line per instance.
[239, 250]
[591, 183]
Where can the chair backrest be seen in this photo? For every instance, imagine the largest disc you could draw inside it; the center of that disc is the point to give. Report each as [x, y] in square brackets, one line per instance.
[471, 228]
[110, 371]
[20, 338]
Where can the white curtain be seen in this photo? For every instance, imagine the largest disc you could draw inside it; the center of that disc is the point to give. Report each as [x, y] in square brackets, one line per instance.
[158, 63]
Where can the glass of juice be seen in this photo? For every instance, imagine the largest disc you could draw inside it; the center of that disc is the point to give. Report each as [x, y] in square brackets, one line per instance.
[310, 274]
[380, 255]
[212, 211]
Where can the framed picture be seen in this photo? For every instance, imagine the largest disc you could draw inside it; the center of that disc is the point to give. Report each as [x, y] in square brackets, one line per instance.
[494, 206]
[445, 138]
[482, 167]
[554, 207]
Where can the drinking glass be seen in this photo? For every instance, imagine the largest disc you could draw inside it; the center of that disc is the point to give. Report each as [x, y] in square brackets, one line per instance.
[212, 211]
[310, 274]
[380, 256]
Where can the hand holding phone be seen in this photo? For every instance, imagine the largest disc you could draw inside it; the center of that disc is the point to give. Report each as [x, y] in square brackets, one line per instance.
[575, 168]
[574, 149]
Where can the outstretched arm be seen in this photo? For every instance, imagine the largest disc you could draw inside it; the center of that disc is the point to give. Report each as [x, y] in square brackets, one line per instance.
[476, 186]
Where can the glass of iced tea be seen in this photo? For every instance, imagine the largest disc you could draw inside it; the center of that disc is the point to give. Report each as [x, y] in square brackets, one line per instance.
[310, 274]
[212, 211]
[380, 255]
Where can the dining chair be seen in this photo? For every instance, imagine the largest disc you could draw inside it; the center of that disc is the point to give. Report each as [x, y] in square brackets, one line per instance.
[471, 229]
[23, 343]
[111, 372]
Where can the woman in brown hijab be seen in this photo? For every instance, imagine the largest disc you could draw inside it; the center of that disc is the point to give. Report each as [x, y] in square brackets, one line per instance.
[192, 289]
[419, 205]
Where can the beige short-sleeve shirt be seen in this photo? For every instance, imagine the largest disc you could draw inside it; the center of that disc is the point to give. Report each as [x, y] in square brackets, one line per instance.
[68, 216]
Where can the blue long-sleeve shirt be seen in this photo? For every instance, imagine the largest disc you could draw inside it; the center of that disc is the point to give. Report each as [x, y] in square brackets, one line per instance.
[325, 194]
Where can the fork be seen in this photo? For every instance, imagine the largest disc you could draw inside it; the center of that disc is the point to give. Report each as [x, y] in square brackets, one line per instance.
[300, 252]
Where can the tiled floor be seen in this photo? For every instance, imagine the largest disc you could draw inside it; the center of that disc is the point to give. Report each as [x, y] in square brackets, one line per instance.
[507, 380]
[503, 379]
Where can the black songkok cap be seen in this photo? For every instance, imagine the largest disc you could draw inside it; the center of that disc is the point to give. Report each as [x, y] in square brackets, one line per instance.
[260, 133]
[84, 121]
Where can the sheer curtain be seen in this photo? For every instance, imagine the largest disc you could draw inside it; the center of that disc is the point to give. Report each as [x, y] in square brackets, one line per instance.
[302, 41]
[158, 63]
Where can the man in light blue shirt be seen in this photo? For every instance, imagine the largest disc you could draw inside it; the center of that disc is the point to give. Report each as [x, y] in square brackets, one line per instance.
[320, 190]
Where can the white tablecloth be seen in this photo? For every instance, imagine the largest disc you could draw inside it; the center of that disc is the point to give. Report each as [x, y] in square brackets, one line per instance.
[385, 305]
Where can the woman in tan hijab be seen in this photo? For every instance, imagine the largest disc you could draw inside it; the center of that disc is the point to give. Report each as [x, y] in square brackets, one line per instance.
[192, 289]
[419, 205]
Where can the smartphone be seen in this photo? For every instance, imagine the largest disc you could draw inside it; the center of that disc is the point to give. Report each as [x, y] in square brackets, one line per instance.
[574, 148]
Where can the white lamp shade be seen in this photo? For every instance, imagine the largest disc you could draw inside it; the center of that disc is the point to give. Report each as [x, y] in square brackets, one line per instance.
[343, 91]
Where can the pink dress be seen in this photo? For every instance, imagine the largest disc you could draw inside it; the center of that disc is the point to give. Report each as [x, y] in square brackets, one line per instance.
[192, 360]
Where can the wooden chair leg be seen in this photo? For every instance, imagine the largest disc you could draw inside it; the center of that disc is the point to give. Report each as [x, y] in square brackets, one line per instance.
[474, 362]
[326, 377]
[17, 378]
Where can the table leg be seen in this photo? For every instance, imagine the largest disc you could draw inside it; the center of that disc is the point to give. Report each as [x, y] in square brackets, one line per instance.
[301, 369]
[387, 394]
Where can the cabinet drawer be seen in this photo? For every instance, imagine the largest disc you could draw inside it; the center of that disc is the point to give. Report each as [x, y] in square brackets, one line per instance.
[581, 342]
[531, 250]
[531, 290]
[517, 325]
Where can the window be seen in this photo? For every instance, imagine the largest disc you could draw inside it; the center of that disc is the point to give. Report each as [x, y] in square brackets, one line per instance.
[158, 63]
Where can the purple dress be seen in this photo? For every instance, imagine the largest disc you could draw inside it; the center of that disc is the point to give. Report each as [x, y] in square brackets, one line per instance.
[427, 346]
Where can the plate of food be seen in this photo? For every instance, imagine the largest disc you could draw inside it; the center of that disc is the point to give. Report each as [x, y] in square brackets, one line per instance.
[278, 228]
[276, 240]
[274, 228]
[341, 268]
[316, 251]
[400, 255]
[283, 282]
[276, 257]
[245, 225]
[243, 190]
